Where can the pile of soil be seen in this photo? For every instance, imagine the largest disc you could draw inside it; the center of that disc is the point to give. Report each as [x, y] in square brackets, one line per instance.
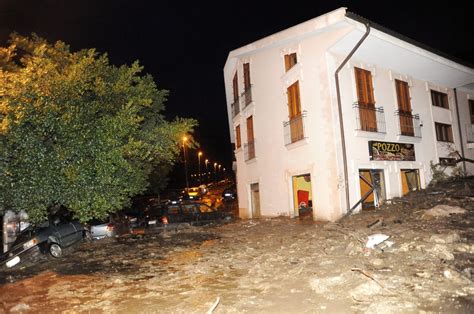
[273, 265]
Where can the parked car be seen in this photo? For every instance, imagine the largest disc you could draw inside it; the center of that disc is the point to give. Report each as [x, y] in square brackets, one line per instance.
[229, 194]
[191, 194]
[50, 237]
[113, 226]
[186, 213]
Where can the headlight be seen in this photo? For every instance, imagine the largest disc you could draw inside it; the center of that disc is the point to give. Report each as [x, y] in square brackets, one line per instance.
[30, 244]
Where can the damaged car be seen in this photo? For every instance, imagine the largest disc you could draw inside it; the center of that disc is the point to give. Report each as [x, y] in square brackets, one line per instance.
[50, 237]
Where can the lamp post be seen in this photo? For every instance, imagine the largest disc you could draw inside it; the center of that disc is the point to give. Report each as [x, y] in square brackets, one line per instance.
[185, 166]
[207, 171]
[199, 166]
[215, 176]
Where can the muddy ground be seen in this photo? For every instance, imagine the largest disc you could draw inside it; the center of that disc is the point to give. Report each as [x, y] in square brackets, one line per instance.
[278, 265]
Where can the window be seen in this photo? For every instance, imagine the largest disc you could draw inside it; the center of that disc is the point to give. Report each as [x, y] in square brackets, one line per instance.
[235, 87]
[294, 112]
[290, 61]
[249, 149]
[443, 132]
[439, 99]
[367, 115]
[365, 89]
[471, 110]
[250, 135]
[238, 141]
[404, 108]
[447, 161]
[246, 76]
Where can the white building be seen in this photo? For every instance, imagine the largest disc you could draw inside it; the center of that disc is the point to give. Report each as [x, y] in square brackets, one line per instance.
[304, 138]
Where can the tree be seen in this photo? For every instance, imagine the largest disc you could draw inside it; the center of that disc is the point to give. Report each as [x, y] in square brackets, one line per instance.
[76, 131]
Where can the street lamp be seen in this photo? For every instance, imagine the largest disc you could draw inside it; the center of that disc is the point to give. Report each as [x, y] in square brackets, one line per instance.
[207, 171]
[199, 166]
[215, 176]
[185, 166]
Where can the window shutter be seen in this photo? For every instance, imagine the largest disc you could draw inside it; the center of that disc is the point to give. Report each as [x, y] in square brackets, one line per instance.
[294, 103]
[287, 62]
[370, 88]
[237, 136]
[250, 135]
[247, 76]
[235, 86]
[361, 97]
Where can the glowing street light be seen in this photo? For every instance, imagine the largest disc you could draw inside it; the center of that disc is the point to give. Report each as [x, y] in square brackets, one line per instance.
[215, 176]
[185, 166]
[207, 170]
[199, 166]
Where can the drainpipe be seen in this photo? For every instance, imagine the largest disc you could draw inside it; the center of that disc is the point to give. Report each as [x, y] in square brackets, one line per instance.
[341, 122]
[459, 127]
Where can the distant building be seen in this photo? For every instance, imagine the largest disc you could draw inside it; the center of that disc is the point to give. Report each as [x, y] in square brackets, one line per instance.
[299, 146]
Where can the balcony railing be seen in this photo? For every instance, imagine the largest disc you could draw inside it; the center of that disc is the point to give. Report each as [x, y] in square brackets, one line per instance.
[235, 107]
[470, 133]
[369, 118]
[249, 150]
[246, 97]
[293, 129]
[409, 123]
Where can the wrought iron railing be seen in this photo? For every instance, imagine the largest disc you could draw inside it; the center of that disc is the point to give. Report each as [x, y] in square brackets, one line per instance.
[235, 107]
[470, 133]
[249, 150]
[293, 129]
[409, 124]
[246, 97]
[369, 118]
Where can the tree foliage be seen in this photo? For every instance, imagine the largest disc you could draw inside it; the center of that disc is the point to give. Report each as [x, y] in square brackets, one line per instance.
[76, 131]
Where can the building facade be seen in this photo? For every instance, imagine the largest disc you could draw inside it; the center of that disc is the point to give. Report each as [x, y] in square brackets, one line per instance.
[310, 141]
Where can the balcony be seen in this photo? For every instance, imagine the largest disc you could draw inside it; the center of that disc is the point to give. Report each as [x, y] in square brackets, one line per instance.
[470, 133]
[235, 107]
[249, 150]
[293, 129]
[369, 118]
[246, 97]
[409, 124]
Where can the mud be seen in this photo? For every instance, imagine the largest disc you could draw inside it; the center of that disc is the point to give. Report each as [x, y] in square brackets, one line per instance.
[278, 265]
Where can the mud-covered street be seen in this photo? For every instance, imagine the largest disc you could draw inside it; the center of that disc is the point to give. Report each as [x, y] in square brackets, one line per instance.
[278, 265]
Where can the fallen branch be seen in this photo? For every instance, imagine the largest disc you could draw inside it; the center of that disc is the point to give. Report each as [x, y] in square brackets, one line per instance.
[214, 305]
[368, 275]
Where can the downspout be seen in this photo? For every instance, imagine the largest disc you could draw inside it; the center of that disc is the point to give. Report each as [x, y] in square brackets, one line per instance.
[341, 121]
[459, 127]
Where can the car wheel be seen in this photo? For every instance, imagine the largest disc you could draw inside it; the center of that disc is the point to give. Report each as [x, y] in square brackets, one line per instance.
[55, 250]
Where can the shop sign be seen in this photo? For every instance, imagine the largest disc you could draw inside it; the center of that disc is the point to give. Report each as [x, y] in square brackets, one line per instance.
[391, 151]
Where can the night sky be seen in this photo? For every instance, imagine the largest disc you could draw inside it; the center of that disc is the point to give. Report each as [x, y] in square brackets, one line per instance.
[185, 45]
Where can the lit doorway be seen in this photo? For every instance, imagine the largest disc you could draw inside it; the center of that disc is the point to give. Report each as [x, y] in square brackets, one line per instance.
[410, 180]
[302, 195]
[372, 188]
[255, 200]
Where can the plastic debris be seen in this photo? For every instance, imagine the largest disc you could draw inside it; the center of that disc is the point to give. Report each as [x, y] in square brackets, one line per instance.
[376, 239]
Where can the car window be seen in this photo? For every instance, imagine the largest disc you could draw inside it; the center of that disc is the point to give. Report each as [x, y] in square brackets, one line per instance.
[173, 210]
[189, 209]
[203, 208]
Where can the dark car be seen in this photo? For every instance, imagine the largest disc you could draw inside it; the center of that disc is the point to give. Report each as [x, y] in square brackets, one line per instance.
[229, 194]
[49, 237]
[187, 213]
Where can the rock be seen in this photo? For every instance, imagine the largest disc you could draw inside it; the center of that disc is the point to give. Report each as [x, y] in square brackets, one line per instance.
[327, 285]
[20, 307]
[424, 274]
[442, 252]
[366, 291]
[445, 238]
[354, 248]
[389, 307]
[442, 211]
[377, 262]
